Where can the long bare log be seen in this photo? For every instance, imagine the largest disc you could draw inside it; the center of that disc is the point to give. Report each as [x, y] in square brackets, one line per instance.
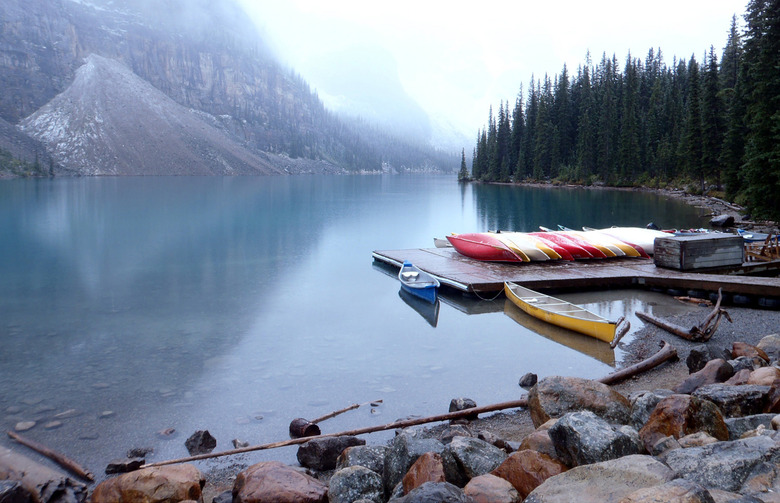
[699, 333]
[667, 352]
[58, 458]
[522, 402]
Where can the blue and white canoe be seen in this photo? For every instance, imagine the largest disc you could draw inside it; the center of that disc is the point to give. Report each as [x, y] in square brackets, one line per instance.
[418, 282]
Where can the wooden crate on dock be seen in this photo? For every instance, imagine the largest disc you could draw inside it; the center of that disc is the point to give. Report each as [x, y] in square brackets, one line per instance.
[699, 252]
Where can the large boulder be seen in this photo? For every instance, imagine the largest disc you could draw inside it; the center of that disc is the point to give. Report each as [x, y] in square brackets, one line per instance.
[403, 450]
[676, 491]
[738, 426]
[556, 396]
[526, 470]
[606, 481]
[680, 415]
[735, 401]
[152, 485]
[355, 483]
[369, 456]
[722, 220]
[428, 468]
[729, 466]
[491, 489]
[582, 438]
[771, 346]
[275, 482]
[643, 403]
[474, 457]
[321, 453]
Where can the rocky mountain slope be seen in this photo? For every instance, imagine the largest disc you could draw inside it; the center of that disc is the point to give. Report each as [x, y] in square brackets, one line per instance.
[204, 56]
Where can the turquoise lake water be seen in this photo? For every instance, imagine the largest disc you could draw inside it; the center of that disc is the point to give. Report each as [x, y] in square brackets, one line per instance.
[133, 305]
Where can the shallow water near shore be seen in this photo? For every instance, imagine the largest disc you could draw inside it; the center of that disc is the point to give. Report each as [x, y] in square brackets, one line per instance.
[129, 306]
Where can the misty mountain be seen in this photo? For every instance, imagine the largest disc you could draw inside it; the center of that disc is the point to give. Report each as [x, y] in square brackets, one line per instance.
[363, 81]
[248, 112]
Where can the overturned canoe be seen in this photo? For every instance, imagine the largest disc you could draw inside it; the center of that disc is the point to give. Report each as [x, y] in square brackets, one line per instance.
[483, 246]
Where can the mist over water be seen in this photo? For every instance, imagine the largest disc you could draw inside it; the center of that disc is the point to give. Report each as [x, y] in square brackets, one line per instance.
[134, 305]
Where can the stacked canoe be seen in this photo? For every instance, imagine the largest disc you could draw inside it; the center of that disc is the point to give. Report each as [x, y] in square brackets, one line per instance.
[503, 246]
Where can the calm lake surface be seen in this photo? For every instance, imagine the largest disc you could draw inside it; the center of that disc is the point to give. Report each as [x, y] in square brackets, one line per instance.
[132, 305]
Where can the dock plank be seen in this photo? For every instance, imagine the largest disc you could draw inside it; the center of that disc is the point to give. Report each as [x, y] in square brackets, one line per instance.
[466, 274]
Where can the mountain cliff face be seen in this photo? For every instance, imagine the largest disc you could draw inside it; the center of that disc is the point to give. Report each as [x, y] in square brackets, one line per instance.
[204, 56]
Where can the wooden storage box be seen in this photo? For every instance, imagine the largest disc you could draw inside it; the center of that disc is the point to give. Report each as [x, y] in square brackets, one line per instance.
[699, 252]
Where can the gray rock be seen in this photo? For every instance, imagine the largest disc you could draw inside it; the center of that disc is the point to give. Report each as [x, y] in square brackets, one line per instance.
[698, 358]
[368, 456]
[200, 442]
[402, 452]
[582, 438]
[528, 380]
[738, 426]
[606, 481]
[725, 465]
[354, 483]
[722, 221]
[679, 490]
[771, 346]
[439, 492]
[321, 453]
[556, 396]
[746, 362]
[474, 457]
[458, 404]
[643, 403]
[452, 431]
[735, 401]
[124, 465]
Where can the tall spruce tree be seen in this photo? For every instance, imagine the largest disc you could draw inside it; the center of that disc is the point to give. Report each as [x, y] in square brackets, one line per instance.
[463, 174]
[712, 120]
[693, 133]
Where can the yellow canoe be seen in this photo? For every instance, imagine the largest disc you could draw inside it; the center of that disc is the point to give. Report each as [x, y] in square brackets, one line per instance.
[561, 313]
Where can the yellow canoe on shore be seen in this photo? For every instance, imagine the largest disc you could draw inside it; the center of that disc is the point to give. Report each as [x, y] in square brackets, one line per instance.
[561, 313]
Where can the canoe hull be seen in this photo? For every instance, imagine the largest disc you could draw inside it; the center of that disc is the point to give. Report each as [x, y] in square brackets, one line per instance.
[561, 313]
[418, 282]
[481, 246]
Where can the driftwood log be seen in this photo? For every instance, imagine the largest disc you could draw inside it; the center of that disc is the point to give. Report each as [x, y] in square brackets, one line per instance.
[665, 354]
[699, 333]
[302, 427]
[58, 458]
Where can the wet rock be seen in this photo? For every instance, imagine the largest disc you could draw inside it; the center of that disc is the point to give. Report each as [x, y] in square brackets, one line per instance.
[200, 442]
[321, 453]
[368, 456]
[765, 376]
[428, 468]
[738, 426]
[744, 349]
[680, 415]
[12, 491]
[528, 380]
[124, 465]
[491, 489]
[555, 396]
[722, 221]
[726, 465]
[164, 483]
[606, 481]
[526, 470]
[24, 425]
[355, 483]
[715, 371]
[698, 439]
[458, 404]
[403, 450]
[475, 457]
[442, 492]
[642, 405]
[676, 491]
[271, 481]
[735, 401]
[582, 438]
[771, 346]
[698, 358]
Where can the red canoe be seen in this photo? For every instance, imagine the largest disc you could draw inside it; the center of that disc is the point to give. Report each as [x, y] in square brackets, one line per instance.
[482, 247]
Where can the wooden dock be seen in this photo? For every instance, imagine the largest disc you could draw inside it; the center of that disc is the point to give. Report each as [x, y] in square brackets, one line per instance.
[468, 275]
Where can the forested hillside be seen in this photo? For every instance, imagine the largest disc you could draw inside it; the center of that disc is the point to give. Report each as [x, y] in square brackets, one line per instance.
[708, 123]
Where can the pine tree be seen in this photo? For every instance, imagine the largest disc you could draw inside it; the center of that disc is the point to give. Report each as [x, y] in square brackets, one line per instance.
[516, 155]
[463, 174]
[712, 117]
[693, 133]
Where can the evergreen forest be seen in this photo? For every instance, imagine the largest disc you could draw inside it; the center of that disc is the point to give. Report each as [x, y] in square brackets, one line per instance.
[710, 126]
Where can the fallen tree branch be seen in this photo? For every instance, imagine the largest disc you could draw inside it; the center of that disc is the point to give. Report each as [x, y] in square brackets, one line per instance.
[623, 331]
[700, 333]
[667, 352]
[58, 458]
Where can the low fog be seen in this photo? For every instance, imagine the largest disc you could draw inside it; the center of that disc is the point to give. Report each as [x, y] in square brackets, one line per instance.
[455, 60]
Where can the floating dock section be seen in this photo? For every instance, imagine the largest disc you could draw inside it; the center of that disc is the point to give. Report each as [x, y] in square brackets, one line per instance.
[454, 270]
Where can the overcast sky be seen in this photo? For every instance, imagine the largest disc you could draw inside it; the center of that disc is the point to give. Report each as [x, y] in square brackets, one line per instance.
[457, 58]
